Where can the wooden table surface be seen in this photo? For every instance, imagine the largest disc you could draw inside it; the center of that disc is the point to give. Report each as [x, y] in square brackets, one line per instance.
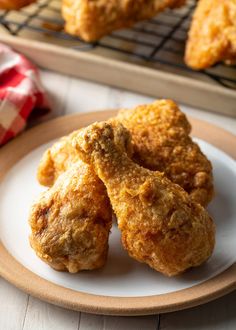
[21, 311]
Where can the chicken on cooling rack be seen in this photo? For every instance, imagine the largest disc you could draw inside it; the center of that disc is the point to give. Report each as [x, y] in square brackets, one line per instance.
[212, 36]
[161, 141]
[159, 223]
[160, 136]
[71, 221]
[92, 19]
[14, 4]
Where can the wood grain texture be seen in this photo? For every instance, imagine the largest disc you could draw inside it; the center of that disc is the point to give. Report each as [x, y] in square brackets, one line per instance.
[91, 322]
[43, 316]
[57, 87]
[80, 92]
[13, 307]
[131, 323]
[217, 315]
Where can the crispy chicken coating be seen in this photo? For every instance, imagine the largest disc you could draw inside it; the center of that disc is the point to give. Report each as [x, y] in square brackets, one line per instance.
[57, 159]
[70, 222]
[159, 223]
[212, 36]
[14, 4]
[92, 19]
[160, 137]
[161, 141]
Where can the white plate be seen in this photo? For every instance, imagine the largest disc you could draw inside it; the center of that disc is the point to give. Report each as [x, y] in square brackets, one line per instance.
[122, 276]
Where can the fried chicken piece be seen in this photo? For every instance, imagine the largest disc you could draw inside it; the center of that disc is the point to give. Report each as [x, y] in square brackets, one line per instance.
[161, 141]
[159, 223]
[70, 222]
[212, 36]
[14, 4]
[57, 159]
[92, 19]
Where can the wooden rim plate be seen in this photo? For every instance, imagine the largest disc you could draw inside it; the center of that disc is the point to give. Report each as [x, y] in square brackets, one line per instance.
[21, 277]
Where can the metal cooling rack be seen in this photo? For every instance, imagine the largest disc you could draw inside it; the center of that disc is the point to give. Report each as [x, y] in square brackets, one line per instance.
[157, 43]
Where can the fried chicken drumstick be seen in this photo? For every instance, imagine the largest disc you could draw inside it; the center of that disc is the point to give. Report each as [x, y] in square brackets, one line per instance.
[159, 223]
[92, 19]
[161, 141]
[212, 36]
[71, 221]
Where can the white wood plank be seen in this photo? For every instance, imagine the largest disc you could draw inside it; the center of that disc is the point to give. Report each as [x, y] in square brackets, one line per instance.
[130, 100]
[91, 322]
[57, 86]
[13, 306]
[217, 315]
[44, 316]
[115, 98]
[131, 323]
[86, 96]
[99, 322]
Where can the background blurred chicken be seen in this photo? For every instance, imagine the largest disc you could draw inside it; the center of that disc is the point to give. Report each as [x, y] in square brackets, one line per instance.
[14, 4]
[92, 19]
[212, 36]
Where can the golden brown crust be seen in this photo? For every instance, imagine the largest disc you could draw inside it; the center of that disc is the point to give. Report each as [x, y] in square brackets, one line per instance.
[160, 136]
[159, 223]
[71, 221]
[161, 141]
[14, 4]
[91, 19]
[56, 160]
[212, 36]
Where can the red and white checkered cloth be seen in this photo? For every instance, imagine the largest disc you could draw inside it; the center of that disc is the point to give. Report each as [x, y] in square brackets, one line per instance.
[21, 92]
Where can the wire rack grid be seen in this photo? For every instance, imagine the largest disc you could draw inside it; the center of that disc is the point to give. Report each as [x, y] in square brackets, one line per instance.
[158, 43]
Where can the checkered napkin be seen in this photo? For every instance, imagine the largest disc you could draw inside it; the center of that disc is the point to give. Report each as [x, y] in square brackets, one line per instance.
[21, 92]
